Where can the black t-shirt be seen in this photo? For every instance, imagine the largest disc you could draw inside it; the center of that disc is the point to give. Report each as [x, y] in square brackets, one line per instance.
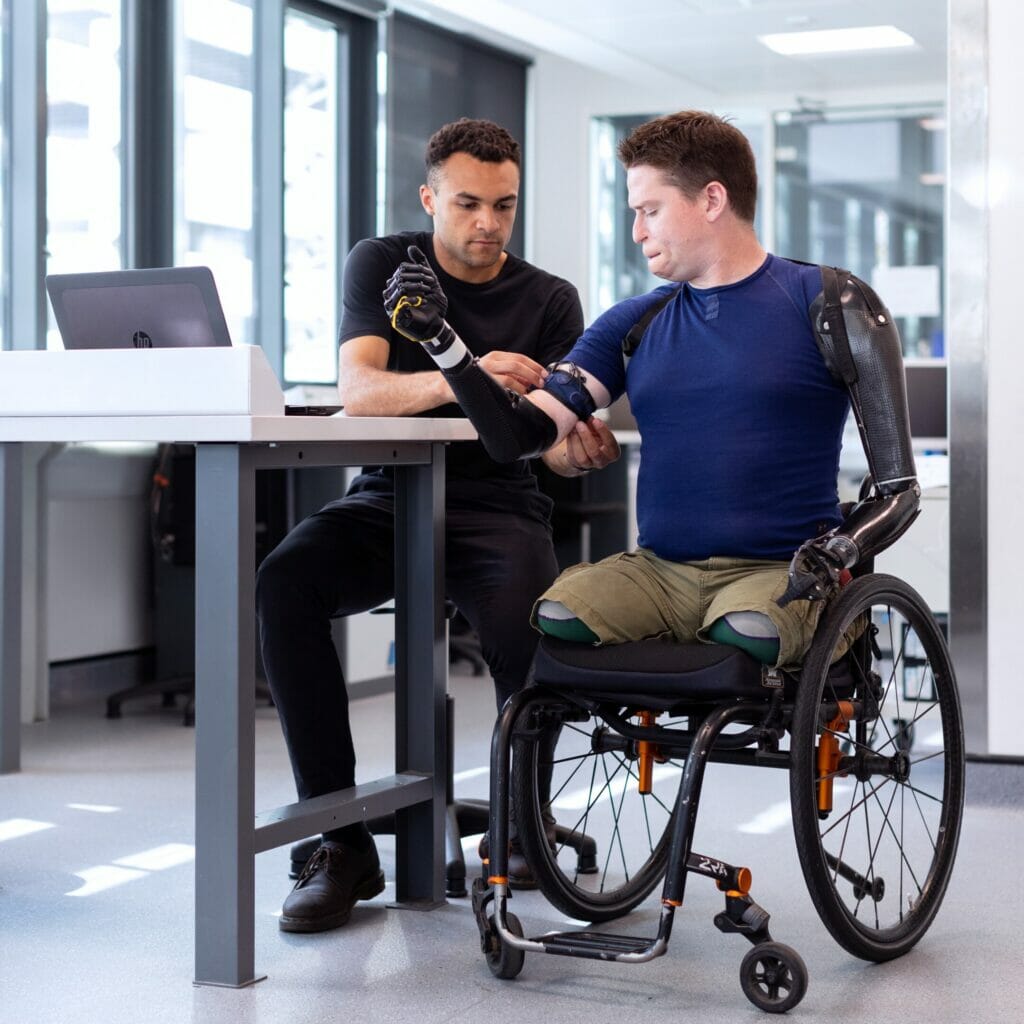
[523, 309]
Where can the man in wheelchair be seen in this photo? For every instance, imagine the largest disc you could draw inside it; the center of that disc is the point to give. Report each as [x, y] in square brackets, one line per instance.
[740, 391]
[740, 373]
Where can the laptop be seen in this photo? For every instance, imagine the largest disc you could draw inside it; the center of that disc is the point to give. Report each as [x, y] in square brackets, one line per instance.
[166, 307]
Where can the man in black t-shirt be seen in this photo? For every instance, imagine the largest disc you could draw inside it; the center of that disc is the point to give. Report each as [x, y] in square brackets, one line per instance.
[499, 558]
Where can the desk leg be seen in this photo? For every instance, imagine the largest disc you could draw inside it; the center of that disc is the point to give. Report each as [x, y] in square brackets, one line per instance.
[10, 607]
[421, 674]
[225, 727]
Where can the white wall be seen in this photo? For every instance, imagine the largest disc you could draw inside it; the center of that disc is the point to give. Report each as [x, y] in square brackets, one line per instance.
[1005, 354]
[98, 595]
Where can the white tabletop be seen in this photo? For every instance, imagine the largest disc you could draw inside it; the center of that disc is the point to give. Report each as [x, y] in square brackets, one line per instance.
[226, 428]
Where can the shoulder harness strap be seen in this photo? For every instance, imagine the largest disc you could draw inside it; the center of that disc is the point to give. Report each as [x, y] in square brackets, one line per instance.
[631, 342]
[833, 281]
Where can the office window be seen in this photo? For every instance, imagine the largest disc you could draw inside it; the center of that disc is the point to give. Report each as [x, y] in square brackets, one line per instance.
[865, 190]
[313, 49]
[214, 79]
[84, 143]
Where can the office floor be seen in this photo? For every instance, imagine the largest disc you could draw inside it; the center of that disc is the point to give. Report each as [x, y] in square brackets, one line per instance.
[96, 903]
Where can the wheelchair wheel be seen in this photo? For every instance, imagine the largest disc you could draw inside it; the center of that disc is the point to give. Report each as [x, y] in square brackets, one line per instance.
[773, 977]
[877, 775]
[570, 767]
[504, 961]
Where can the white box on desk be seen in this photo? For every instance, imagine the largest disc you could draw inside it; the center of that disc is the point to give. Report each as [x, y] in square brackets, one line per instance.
[140, 382]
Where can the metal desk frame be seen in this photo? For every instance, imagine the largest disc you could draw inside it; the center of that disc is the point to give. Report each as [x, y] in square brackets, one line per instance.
[228, 832]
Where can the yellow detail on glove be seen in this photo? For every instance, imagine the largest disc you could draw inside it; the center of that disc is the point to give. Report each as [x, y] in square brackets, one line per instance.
[400, 305]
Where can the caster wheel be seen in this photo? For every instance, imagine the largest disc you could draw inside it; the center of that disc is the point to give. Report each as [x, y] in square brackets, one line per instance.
[504, 961]
[773, 977]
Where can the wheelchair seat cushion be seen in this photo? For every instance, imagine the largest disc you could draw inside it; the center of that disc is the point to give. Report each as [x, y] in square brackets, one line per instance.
[657, 668]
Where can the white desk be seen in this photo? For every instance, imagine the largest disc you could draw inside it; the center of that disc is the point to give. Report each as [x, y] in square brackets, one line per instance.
[230, 449]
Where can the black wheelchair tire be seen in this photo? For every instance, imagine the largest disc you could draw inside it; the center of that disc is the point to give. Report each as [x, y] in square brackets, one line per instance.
[574, 896]
[504, 961]
[922, 791]
[773, 977]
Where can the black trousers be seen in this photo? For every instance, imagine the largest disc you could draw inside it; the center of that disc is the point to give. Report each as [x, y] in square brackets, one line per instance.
[340, 561]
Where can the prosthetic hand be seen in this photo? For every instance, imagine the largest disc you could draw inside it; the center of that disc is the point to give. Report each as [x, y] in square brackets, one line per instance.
[416, 304]
[414, 300]
[817, 570]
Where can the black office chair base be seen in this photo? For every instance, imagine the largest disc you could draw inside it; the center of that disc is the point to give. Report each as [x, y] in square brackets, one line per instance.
[169, 689]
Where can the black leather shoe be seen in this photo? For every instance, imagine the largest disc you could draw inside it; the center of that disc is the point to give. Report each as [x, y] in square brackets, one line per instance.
[520, 874]
[334, 878]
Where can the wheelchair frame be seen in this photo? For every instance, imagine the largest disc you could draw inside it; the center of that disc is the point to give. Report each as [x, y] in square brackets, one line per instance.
[833, 711]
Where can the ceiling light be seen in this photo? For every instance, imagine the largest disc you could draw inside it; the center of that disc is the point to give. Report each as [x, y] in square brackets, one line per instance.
[839, 40]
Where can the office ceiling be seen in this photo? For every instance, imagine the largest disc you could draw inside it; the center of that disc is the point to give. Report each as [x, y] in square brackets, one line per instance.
[712, 44]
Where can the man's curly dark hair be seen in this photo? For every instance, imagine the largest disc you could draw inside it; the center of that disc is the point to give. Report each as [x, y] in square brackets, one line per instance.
[483, 140]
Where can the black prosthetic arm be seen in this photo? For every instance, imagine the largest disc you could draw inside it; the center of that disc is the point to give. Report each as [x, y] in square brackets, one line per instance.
[820, 565]
[861, 346]
[510, 428]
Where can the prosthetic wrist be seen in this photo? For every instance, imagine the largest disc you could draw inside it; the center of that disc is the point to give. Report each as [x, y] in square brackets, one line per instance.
[820, 566]
[874, 524]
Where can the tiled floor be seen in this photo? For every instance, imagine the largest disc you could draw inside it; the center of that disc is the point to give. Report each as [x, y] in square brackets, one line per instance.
[96, 903]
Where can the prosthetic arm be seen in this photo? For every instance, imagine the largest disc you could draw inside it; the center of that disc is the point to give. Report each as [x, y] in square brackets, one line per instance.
[509, 426]
[861, 347]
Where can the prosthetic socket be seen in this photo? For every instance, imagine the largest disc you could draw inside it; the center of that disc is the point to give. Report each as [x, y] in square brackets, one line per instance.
[861, 347]
[509, 427]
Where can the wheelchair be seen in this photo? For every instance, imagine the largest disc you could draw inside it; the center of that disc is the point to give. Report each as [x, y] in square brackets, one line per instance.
[615, 740]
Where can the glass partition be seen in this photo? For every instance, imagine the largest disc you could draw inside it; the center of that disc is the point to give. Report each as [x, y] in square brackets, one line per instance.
[865, 190]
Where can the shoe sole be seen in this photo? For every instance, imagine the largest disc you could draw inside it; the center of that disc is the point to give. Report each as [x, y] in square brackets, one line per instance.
[365, 890]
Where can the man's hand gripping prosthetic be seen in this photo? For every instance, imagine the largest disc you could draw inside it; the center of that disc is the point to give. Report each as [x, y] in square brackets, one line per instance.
[509, 427]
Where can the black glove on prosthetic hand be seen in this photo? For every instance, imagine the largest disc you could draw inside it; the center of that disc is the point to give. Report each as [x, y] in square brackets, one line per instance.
[416, 304]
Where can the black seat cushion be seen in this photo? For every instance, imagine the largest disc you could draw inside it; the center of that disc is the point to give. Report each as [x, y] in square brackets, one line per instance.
[657, 668]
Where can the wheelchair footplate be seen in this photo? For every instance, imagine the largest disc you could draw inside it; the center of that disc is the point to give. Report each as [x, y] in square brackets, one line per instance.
[773, 976]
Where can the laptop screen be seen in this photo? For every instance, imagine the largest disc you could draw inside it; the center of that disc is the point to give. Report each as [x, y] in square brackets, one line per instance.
[168, 307]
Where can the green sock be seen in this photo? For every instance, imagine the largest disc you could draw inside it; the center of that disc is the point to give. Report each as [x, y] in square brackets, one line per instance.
[554, 619]
[764, 648]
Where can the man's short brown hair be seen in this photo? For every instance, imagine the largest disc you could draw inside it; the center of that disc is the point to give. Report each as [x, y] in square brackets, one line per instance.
[483, 140]
[694, 148]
